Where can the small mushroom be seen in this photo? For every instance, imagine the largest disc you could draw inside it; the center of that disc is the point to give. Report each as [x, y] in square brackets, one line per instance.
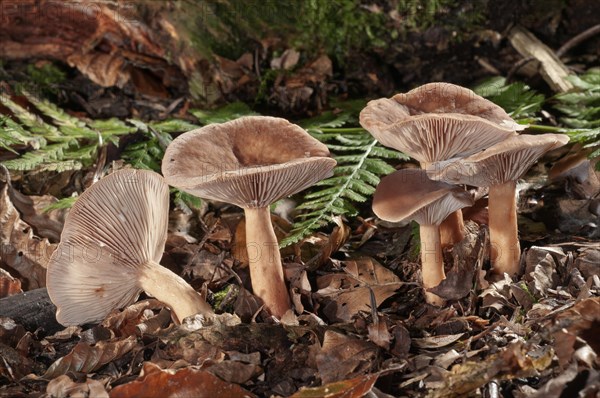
[436, 122]
[112, 241]
[498, 168]
[250, 162]
[409, 195]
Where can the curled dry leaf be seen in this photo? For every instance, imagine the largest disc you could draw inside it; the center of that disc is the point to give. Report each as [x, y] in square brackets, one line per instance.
[188, 382]
[86, 358]
[126, 322]
[582, 320]
[8, 284]
[352, 388]
[23, 253]
[63, 386]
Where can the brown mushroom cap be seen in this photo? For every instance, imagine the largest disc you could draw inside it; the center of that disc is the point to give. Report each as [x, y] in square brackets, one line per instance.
[409, 194]
[251, 162]
[116, 225]
[505, 161]
[437, 121]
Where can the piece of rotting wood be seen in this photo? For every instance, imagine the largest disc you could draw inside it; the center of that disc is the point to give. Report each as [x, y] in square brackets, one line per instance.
[32, 309]
[552, 69]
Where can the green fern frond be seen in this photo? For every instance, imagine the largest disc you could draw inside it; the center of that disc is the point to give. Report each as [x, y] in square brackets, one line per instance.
[223, 114]
[48, 158]
[64, 203]
[68, 125]
[517, 99]
[355, 178]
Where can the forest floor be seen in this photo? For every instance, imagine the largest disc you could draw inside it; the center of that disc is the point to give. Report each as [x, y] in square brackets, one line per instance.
[361, 325]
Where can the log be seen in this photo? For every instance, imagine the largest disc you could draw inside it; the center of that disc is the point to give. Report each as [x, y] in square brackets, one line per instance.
[32, 309]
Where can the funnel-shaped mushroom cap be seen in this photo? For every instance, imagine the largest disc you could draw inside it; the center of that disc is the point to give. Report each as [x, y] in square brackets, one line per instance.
[250, 162]
[437, 121]
[115, 226]
[503, 162]
[409, 195]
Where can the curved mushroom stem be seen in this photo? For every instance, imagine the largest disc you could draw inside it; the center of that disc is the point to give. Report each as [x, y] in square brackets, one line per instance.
[169, 288]
[432, 261]
[452, 229]
[266, 271]
[504, 236]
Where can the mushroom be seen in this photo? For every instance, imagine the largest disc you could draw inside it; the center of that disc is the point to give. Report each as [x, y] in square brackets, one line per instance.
[408, 194]
[498, 168]
[250, 162]
[435, 122]
[112, 241]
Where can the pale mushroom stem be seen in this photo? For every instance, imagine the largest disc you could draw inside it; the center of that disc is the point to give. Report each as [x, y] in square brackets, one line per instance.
[452, 229]
[167, 287]
[266, 271]
[504, 237]
[432, 261]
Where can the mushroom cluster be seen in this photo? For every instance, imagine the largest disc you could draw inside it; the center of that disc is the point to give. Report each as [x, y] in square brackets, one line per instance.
[250, 162]
[112, 241]
[458, 137]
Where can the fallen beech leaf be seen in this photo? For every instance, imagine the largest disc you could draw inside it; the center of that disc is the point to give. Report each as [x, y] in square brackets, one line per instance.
[350, 292]
[342, 357]
[126, 322]
[63, 386]
[188, 382]
[436, 341]
[8, 284]
[86, 358]
[582, 320]
[379, 333]
[352, 388]
[317, 249]
[234, 371]
[20, 250]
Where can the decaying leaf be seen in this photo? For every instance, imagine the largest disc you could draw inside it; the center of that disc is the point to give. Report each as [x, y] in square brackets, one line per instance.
[86, 358]
[187, 382]
[342, 357]
[379, 333]
[350, 292]
[63, 386]
[353, 388]
[514, 361]
[583, 321]
[9, 285]
[22, 252]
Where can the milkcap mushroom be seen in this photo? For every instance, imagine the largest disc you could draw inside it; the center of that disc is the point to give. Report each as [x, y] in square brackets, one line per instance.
[436, 122]
[498, 168]
[250, 162]
[408, 194]
[113, 238]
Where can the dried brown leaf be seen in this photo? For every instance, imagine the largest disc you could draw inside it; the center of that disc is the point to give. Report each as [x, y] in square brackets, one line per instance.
[63, 386]
[86, 358]
[343, 357]
[379, 333]
[8, 284]
[352, 388]
[21, 252]
[188, 382]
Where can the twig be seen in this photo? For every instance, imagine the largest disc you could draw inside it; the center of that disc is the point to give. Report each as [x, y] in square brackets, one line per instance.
[516, 67]
[577, 40]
